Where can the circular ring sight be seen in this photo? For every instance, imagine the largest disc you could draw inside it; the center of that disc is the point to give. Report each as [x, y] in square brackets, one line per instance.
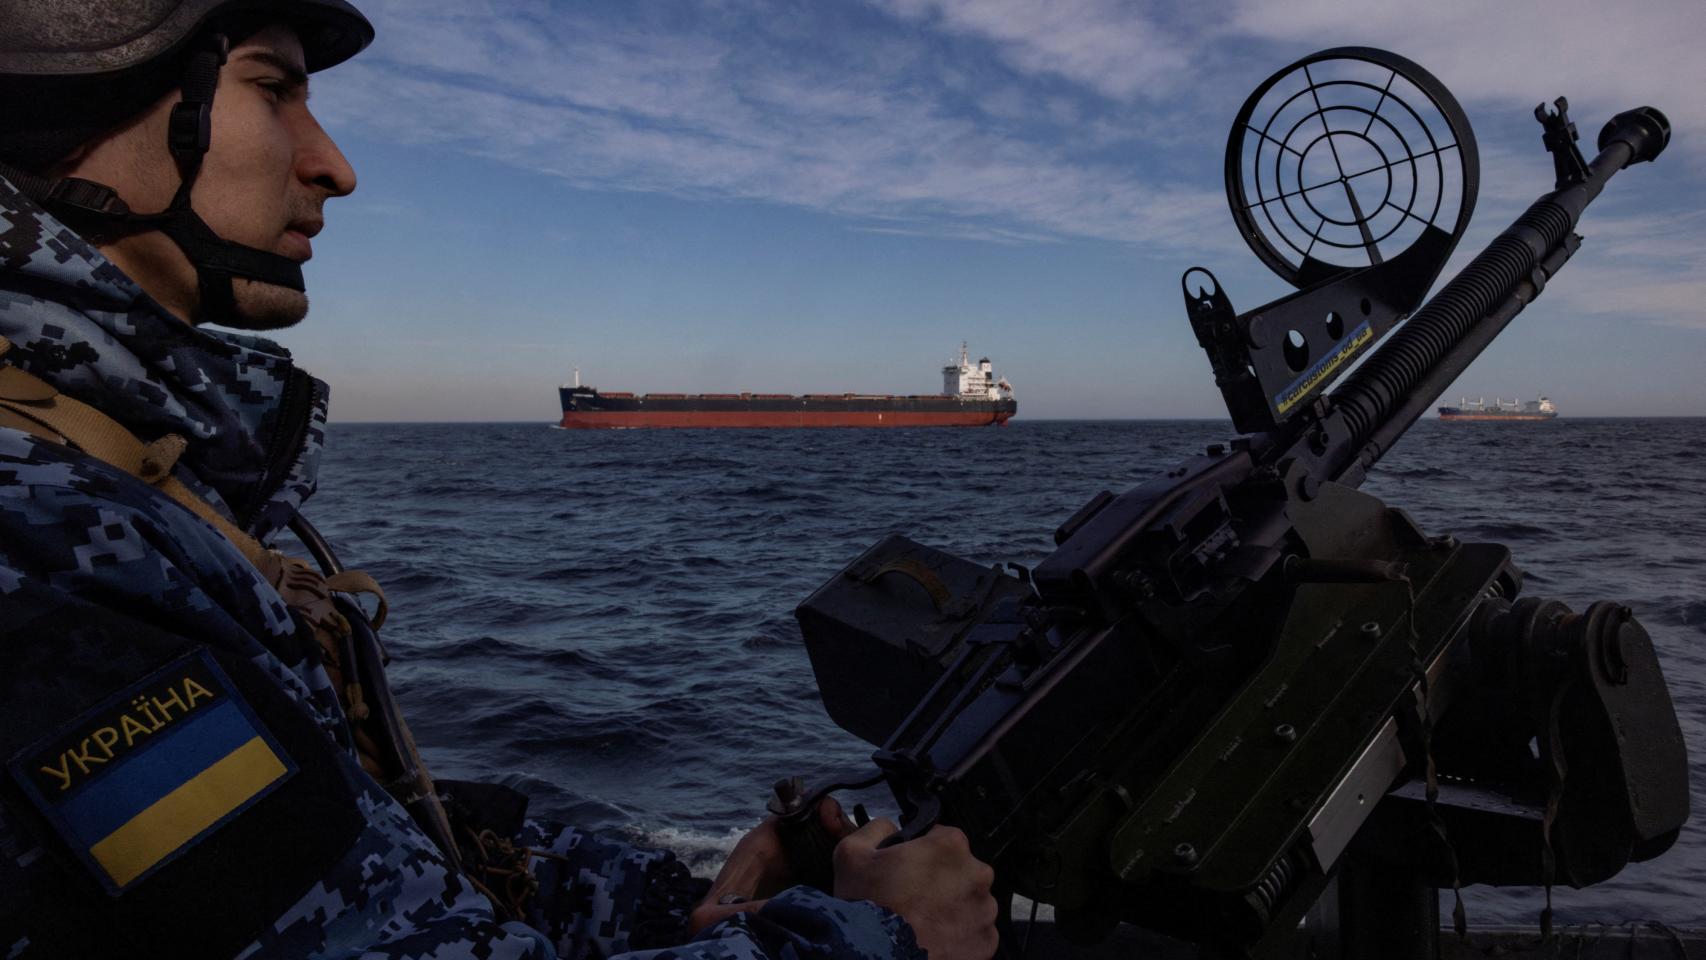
[1343, 159]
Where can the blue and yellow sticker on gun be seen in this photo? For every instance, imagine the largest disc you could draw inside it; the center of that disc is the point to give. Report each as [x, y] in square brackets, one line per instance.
[154, 769]
[1323, 368]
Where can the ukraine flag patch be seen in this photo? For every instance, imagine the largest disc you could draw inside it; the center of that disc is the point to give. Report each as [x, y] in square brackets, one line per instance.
[153, 770]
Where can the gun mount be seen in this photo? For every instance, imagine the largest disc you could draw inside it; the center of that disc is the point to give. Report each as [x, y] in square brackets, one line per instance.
[1223, 679]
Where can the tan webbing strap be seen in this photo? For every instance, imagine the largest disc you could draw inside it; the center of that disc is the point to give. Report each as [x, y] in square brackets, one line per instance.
[358, 581]
[15, 384]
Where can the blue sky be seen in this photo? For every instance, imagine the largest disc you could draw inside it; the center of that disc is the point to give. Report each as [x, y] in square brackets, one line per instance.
[819, 196]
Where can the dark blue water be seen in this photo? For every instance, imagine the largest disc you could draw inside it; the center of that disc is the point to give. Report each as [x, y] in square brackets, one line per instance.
[605, 618]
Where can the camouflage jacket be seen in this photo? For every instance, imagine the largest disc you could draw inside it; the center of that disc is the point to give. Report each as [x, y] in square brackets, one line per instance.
[179, 775]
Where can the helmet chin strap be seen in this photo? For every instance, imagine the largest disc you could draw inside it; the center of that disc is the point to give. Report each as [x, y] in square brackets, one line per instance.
[85, 203]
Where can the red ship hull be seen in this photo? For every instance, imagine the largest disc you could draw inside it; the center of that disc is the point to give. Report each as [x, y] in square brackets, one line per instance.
[619, 419]
[1493, 416]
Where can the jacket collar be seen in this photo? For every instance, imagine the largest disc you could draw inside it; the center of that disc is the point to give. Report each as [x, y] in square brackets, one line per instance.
[254, 421]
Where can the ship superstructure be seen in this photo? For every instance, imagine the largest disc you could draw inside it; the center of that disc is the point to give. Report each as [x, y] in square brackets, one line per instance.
[974, 382]
[971, 395]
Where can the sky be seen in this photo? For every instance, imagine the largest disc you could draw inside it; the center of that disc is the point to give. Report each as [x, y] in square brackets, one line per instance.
[831, 195]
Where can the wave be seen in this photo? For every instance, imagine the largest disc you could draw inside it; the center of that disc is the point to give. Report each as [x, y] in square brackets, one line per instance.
[587, 572]
[398, 585]
[1418, 473]
[1688, 613]
[703, 851]
[487, 647]
[1507, 530]
[628, 743]
[772, 640]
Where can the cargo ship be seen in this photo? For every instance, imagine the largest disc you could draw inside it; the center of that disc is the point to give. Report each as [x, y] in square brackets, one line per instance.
[1541, 409]
[971, 396]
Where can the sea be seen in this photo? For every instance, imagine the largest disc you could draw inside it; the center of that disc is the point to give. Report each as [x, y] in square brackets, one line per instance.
[604, 619]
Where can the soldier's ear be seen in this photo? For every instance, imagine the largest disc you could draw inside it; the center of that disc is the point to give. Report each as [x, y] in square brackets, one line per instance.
[64, 165]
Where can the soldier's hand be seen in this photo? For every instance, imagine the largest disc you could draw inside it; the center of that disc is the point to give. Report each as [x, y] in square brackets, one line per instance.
[933, 881]
[757, 868]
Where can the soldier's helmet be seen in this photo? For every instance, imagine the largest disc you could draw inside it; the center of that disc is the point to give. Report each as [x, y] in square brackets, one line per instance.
[63, 38]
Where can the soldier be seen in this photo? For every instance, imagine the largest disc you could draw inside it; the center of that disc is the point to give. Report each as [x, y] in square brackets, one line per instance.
[201, 754]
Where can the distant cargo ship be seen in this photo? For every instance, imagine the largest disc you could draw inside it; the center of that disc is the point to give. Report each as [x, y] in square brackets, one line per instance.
[1541, 409]
[971, 396]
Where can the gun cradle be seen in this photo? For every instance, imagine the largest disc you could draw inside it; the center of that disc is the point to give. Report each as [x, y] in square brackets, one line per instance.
[1254, 814]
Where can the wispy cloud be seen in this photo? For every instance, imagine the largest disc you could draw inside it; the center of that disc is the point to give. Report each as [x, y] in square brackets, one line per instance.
[1642, 268]
[869, 120]
[1604, 57]
[1003, 120]
[989, 234]
[1122, 50]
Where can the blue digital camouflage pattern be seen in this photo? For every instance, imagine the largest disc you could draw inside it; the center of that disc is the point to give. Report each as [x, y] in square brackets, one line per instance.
[74, 532]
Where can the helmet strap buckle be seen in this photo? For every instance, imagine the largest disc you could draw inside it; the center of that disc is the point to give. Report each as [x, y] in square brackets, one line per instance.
[86, 196]
[190, 129]
[189, 132]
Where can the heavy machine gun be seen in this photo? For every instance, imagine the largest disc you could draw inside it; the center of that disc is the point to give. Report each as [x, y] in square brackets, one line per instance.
[1184, 716]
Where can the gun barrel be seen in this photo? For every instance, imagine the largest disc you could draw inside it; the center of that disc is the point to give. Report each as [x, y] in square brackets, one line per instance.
[1383, 397]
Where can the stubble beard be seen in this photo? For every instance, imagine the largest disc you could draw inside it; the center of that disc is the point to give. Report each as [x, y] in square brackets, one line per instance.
[263, 306]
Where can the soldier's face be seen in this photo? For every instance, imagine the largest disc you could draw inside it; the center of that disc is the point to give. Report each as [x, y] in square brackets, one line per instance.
[269, 170]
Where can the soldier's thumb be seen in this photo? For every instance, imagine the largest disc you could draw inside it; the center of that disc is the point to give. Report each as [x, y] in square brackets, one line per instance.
[867, 837]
